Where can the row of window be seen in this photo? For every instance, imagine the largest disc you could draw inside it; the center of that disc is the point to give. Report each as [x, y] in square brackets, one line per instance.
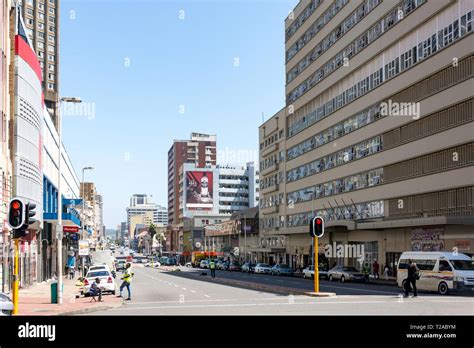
[316, 27]
[272, 139]
[424, 49]
[386, 23]
[304, 15]
[272, 159]
[273, 221]
[233, 186]
[272, 180]
[334, 187]
[331, 39]
[272, 200]
[360, 150]
[358, 211]
[342, 128]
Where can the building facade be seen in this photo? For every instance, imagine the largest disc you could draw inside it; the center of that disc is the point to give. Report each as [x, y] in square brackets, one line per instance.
[200, 150]
[377, 132]
[41, 19]
[143, 211]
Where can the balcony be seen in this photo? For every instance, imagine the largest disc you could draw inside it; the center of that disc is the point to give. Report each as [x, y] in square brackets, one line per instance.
[268, 150]
[269, 189]
[269, 169]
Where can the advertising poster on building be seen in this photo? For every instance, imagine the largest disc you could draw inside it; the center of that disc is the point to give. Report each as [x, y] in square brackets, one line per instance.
[427, 239]
[199, 190]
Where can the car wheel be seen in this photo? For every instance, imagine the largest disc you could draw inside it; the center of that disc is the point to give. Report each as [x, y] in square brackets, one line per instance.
[443, 288]
[113, 292]
[343, 279]
[278, 274]
[330, 277]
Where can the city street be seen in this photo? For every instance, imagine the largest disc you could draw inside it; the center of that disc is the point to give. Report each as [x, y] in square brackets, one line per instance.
[186, 292]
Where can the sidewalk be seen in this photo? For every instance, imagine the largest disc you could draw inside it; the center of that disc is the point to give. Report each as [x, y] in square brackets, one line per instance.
[36, 300]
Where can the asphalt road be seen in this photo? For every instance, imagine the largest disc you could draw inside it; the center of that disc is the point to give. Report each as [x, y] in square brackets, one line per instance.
[159, 292]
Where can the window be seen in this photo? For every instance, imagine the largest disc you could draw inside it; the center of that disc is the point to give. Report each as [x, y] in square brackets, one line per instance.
[51, 86]
[51, 38]
[444, 266]
[41, 26]
[50, 48]
[30, 21]
[29, 11]
[51, 58]
[52, 11]
[391, 69]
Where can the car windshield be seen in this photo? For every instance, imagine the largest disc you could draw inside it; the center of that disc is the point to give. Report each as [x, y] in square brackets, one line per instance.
[97, 274]
[349, 269]
[463, 265]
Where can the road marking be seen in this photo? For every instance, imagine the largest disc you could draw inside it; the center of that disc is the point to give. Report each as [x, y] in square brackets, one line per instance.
[184, 289]
[207, 296]
[193, 291]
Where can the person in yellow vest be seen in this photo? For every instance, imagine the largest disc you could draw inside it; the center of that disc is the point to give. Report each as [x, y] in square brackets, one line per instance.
[127, 279]
[212, 267]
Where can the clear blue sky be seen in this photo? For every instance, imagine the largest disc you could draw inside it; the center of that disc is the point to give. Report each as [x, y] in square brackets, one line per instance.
[173, 62]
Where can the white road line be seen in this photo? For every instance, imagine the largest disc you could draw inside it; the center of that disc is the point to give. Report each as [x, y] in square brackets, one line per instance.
[207, 296]
[184, 289]
[193, 291]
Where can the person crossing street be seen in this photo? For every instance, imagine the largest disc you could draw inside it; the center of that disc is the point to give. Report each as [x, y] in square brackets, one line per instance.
[212, 267]
[127, 279]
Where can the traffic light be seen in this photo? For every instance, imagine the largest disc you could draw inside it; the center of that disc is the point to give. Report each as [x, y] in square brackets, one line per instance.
[316, 227]
[30, 213]
[16, 214]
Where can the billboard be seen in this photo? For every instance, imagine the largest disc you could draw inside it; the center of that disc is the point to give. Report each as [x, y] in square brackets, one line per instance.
[199, 190]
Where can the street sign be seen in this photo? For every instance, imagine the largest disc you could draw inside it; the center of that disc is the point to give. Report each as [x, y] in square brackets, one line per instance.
[72, 229]
[83, 248]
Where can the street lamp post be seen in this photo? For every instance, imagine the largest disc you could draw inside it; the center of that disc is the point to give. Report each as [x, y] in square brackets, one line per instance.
[84, 212]
[59, 228]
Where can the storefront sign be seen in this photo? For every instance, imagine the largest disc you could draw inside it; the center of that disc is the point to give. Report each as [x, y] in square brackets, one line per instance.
[83, 248]
[73, 229]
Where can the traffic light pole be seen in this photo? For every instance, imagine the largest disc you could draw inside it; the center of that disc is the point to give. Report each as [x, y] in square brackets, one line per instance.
[15, 278]
[59, 232]
[316, 268]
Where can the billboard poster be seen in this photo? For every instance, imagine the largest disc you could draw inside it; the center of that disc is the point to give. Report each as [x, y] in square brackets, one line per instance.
[199, 190]
[83, 248]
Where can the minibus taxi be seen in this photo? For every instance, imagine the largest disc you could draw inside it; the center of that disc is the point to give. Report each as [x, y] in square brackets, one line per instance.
[441, 271]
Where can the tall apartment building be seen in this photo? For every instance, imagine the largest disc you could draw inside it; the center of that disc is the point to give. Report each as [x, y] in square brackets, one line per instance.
[200, 150]
[146, 211]
[238, 188]
[377, 132]
[41, 19]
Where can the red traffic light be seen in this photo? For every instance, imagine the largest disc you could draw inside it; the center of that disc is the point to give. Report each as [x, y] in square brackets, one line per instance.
[318, 221]
[316, 227]
[16, 205]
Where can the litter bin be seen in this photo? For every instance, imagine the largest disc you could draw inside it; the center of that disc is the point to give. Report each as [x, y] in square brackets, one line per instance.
[54, 291]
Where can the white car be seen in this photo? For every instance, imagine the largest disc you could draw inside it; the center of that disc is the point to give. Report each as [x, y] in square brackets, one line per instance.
[263, 268]
[107, 283]
[99, 267]
[308, 272]
[6, 305]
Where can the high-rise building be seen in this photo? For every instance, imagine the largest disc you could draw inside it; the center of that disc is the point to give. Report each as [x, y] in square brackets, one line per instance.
[238, 188]
[376, 134]
[146, 211]
[41, 19]
[200, 150]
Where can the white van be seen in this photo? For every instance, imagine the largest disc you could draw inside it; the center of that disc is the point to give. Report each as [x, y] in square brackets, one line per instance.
[440, 271]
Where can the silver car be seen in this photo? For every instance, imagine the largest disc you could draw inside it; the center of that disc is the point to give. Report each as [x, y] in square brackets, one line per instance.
[345, 273]
[6, 304]
[263, 268]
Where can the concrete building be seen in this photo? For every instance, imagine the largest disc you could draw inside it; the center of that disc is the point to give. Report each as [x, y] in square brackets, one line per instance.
[41, 19]
[238, 187]
[377, 132]
[200, 150]
[6, 160]
[146, 211]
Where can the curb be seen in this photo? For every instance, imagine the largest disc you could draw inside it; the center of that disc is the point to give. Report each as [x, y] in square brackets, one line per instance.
[90, 309]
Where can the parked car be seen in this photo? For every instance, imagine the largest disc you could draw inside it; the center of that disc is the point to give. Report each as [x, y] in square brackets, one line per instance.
[204, 264]
[153, 264]
[6, 305]
[263, 268]
[280, 269]
[220, 264]
[225, 266]
[172, 262]
[345, 273]
[107, 283]
[248, 267]
[234, 266]
[308, 272]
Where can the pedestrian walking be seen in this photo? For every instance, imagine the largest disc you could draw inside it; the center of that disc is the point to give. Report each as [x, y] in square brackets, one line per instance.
[386, 272]
[212, 267]
[413, 276]
[127, 279]
[366, 271]
[375, 269]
